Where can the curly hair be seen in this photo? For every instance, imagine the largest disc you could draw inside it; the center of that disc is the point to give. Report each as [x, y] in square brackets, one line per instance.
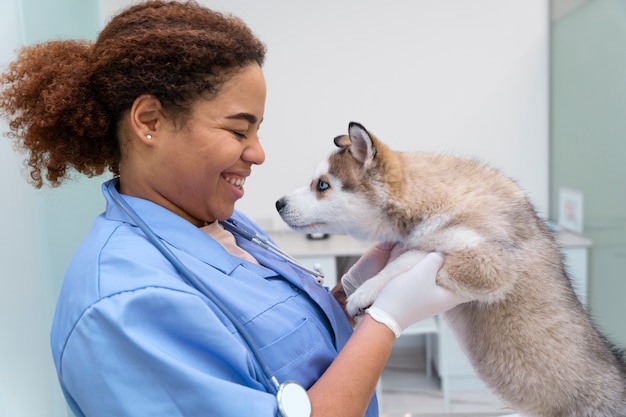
[64, 99]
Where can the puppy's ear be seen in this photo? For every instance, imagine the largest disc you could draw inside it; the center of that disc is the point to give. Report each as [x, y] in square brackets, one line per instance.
[361, 146]
[342, 141]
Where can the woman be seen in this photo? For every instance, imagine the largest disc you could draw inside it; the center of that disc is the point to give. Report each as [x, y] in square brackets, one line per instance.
[170, 99]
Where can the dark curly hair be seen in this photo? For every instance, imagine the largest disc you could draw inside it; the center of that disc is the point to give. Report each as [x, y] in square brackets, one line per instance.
[64, 99]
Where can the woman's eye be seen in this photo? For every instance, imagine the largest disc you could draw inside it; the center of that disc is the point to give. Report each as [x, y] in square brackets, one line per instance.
[240, 135]
[322, 185]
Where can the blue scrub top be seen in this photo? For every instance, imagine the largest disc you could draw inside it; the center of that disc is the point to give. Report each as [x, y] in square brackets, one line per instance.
[131, 338]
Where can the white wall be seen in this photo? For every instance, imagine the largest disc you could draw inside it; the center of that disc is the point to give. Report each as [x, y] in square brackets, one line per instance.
[467, 77]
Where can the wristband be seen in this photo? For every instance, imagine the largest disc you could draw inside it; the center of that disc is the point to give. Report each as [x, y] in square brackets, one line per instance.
[384, 318]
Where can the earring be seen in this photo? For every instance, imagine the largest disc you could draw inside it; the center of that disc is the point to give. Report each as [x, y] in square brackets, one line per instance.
[148, 136]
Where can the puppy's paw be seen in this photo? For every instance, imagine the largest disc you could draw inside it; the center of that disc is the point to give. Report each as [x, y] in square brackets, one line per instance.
[363, 297]
[357, 305]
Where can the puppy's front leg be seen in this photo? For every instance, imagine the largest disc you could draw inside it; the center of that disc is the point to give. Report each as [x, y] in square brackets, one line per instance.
[487, 272]
[365, 295]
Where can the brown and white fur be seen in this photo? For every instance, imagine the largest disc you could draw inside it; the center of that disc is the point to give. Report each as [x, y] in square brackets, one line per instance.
[526, 333]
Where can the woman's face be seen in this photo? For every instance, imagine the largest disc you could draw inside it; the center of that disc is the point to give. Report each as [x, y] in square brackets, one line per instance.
[202, 166]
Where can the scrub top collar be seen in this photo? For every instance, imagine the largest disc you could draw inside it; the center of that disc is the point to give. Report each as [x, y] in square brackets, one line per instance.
[173, 229]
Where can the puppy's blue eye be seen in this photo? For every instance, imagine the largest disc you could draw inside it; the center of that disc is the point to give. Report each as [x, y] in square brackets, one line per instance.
[322, 185]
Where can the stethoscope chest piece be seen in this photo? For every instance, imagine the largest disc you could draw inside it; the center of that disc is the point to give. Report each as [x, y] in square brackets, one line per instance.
[293, 400]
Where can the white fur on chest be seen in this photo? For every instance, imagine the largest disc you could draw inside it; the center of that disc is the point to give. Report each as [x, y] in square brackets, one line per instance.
[432, 235]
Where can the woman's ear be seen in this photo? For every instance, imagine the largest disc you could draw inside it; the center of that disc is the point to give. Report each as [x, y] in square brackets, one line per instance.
[145, 117]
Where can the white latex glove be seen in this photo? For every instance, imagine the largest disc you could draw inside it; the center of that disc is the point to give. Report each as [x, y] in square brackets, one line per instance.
[413, 296]
[368, 265]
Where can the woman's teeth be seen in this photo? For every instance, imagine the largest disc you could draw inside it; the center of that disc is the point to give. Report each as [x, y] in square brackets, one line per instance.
[237, 182]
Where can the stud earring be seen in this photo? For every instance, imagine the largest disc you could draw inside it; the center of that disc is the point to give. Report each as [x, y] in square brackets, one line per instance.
[148, 136]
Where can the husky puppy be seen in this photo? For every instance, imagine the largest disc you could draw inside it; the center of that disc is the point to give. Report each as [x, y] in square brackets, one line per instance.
[525, 332]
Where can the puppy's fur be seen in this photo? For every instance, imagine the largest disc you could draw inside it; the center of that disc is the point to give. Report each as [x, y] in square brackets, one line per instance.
[526, 333]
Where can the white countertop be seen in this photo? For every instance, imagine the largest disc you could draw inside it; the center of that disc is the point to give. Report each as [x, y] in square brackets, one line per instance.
[296, 244]
[572, 240]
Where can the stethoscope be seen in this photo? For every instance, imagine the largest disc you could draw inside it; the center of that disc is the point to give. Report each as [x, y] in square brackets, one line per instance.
[248, 233]
[292, 398]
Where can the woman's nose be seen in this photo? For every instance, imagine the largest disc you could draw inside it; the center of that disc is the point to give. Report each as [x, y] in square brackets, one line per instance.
[254, 152]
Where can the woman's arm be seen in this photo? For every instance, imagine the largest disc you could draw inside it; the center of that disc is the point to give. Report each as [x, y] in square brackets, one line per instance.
[347, 386]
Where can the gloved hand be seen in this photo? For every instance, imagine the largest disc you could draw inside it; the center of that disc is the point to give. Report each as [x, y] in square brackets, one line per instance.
[369, 264]
[413, 295]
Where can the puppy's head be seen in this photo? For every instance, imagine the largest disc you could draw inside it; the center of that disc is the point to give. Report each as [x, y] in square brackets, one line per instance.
[342, 196]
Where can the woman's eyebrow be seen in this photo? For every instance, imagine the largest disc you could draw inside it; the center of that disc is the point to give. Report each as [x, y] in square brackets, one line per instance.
[250, 118]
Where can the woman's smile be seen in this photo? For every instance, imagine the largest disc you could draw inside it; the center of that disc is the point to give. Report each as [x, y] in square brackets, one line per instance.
[235, 180]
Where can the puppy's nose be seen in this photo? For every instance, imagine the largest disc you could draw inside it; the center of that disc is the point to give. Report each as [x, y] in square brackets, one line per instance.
[280, 204]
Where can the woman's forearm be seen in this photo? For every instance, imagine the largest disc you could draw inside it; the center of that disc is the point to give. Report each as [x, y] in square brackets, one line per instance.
[345, 389]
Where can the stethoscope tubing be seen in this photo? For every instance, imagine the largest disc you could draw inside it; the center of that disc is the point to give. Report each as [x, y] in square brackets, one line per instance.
[237, 228]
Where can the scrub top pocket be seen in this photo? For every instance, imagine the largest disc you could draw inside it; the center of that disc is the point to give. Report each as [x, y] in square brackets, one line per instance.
[295, 336]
